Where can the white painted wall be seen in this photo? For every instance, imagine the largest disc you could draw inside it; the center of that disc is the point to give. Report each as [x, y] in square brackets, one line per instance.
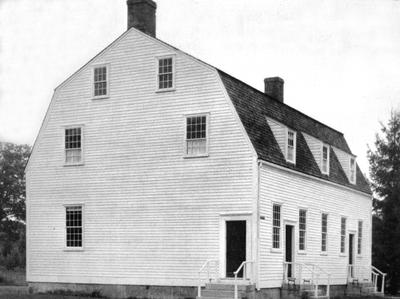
[280, 133]
[294, 191]
[344, 159]
[150, 216]
[315, 146]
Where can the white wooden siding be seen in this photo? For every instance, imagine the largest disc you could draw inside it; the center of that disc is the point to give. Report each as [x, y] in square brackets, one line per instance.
[279, 130]
[151, 216]
[315, 147]
[295, 191]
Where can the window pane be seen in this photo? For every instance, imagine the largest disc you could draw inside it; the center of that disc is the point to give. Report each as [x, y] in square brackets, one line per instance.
[74, 226]
[196, 135]
[276, 223]
[165, 73]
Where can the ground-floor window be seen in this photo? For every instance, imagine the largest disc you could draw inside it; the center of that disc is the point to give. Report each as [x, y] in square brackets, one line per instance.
[73, 232]
[324, 232]
[302, 229]
[343, 235]
[360, 223]
[276, 226]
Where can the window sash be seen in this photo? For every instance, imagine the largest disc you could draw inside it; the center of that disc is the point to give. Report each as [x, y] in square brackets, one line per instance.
[165, 73]
[343, 235]
[73, 145]
[100, 81]
[302, 229]
[352, 170]
[359, 244]
[291, 146]
[324, 232]
[196, 135]
[276, 226]
[325, 159]
[73, 227]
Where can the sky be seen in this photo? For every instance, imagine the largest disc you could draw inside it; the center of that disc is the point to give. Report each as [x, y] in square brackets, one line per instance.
[340, 59]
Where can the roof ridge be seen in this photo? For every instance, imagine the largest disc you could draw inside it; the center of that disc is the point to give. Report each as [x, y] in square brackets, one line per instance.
[282, 103]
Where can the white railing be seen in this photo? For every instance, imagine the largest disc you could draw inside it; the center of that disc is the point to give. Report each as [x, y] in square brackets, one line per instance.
[214, 269]
[243, 266]
[371, 272]
[307, 272]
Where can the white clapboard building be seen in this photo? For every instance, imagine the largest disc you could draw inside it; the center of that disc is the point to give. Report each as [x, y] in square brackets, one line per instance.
[153, 168]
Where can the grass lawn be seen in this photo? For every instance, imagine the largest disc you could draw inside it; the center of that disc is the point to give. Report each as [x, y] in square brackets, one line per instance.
[12, 277]
[41, 296]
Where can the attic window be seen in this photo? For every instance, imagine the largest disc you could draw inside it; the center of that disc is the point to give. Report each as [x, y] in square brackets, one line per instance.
[73, 146]
[100, 81]
[165, 77]
[196, 135]
[352, 170]
[325, 159]
[291, 146]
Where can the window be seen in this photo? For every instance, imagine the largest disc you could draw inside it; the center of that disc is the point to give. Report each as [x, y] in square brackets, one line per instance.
[165, 73]
[352, 170]
[324, 232]
[276, 226]
[291, 146]
[73, 226]
[325, 159]
[73, 145]
[302, 229]
[343, 235]
[100, 83]
[196, 135]
[360, 223]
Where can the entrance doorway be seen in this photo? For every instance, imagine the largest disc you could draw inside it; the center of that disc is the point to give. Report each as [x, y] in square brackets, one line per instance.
[351, 254]
[235, 246]
[289, 248]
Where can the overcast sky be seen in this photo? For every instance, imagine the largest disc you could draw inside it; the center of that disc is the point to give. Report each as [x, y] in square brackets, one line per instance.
[340, 59]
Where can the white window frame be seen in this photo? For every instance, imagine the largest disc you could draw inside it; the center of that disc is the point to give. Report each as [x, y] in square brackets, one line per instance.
[107, 66]
[185, 117]
[276, 249]
[324, 252]
[158, 58]
[322, 158]
[343, 253]
[352, 170]
[287, 145]
[360, 237]
[70, 248]
[305, 231]
[64, 128]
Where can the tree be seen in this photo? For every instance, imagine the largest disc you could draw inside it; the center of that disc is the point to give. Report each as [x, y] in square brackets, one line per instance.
[13, 159]
[385, 174]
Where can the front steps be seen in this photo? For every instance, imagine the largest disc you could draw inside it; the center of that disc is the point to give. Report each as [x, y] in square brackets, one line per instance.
[295, 291]
[363, 288]
[221, 290]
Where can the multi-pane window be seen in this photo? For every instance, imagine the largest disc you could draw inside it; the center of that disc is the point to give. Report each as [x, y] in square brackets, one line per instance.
[325, 159]
[352, 170]
[359, 244]
[100, 81]
[302, 229]
[196, 135]
[342, 235]
[324, 232]
[276, 226]
[291, 146]
[73, 145]
[73, 226]
[165, 73]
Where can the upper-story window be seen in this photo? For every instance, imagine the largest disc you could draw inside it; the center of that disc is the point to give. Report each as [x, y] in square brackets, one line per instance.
[196, 143]
[100, 81]
[325, 159]
[352, 170]
[73, 145]
[291, 146]
[165, 75]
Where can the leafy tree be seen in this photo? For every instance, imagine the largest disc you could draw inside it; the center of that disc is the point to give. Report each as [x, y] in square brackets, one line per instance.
[13, 159]
[385, 175]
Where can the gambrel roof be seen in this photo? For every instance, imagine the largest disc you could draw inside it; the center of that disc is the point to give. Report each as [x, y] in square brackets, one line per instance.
[254, 106]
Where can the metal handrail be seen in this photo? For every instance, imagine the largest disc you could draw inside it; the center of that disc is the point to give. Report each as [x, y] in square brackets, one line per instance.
[244, 266]
[203, 267]
[375, 272]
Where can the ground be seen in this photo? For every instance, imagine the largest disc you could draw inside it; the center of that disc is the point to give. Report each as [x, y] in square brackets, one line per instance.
[40, 296]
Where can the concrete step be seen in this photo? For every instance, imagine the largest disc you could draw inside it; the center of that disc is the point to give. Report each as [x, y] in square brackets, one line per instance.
[221, 293]
[230, 287]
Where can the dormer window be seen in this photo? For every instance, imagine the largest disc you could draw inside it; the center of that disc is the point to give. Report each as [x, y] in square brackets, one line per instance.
[325, 159]
[352, 170]
[291, 146]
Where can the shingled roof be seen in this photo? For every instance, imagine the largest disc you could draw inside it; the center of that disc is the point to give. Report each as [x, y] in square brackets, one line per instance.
[253, 106]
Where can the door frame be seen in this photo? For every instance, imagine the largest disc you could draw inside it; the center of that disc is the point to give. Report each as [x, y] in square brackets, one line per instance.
[293, 224]
[222, 238]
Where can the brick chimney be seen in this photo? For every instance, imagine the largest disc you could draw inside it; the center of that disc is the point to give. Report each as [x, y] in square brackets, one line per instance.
[142, 16]
[274, 88]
